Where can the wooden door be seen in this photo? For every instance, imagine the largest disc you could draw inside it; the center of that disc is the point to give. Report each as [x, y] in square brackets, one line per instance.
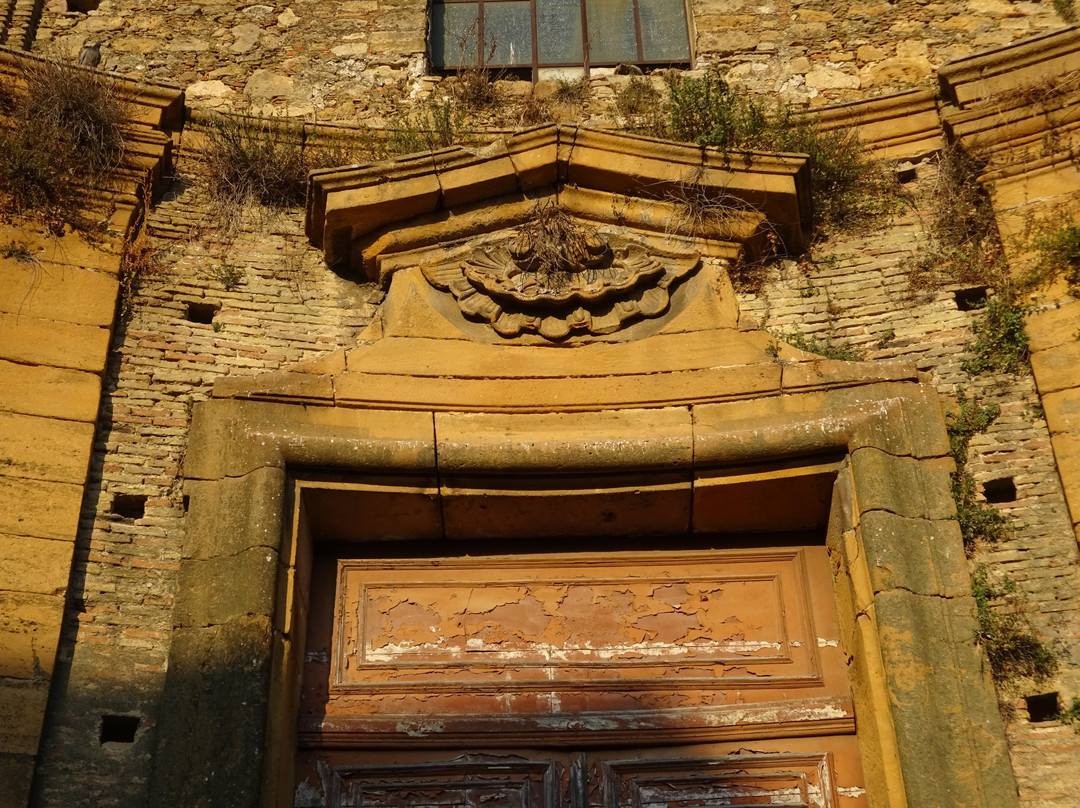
[656, 679]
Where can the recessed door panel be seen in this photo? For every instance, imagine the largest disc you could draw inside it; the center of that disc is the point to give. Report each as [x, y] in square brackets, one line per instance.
[662, 679]
[675, 642]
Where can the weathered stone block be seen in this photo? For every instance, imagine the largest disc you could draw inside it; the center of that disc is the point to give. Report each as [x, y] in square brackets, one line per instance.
[647, 504]
[44, 448]
[234, 514]
[918, 555]
[35, 341]
[215, 591]
[232, 438]
[627, 439]
[945, 713]
[213, 672]
[37, 508]
[22, 709]
[57, 292]
[29, 632]
[1055, 368]
[900, 485]
[49, 392]
[29, 564]
[16, 773]
[1052, 327]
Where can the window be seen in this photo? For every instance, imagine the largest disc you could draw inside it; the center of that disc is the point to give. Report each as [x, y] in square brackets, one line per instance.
[527, 35]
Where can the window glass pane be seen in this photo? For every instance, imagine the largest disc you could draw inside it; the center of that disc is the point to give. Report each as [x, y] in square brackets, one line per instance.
[611, 31]
[507, 33]
[663, 30]
[454, 27]
[558, 31]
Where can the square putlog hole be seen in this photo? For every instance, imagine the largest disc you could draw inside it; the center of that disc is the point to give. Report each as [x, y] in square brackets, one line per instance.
[1043, 707]
[202, 312]
[129, 506]
[1002, 489]
[971, 298]
[119, 728]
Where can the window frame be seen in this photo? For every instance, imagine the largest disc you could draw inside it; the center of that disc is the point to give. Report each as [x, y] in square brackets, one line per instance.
[535, 65]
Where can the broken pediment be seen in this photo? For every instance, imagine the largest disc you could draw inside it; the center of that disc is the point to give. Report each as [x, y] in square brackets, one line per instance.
[372, 220]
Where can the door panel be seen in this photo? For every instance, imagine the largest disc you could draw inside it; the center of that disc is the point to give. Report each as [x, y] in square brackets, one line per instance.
[690, 645]
[813, 773]
[681, 679]
[470, 781]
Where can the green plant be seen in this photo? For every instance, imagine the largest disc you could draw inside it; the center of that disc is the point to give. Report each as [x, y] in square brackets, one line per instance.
[886, 337]
[1014, 650]
[1001, 342]
[573, 93]
[254, 160]
[846, 185]
[434, 125]
[1058, 256]
[979, 522]
[1066, 10]
[1071, 715]
[19, 251]
[642, 107]
[217, 326]
[964, 243]
[70, 139]
[829, 350]
[809, 290]
[228, 275]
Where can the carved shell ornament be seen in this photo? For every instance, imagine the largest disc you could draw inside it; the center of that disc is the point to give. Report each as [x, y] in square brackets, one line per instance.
[557, 278]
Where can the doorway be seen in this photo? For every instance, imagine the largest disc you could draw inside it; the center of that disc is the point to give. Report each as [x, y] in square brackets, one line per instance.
[630, 672]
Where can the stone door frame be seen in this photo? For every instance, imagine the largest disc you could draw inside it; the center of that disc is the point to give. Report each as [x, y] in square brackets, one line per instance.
[929, 730]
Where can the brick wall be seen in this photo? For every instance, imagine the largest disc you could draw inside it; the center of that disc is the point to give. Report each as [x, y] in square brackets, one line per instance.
[284, 307]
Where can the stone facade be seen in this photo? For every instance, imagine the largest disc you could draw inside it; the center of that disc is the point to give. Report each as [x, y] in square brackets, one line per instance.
[254, 317]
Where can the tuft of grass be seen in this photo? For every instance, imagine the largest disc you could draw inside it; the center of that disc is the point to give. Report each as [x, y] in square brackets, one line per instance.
[69, 139]
[228, 275]
[1001, 341]
[254, 160]
[573, 93]
[846, 185]
[642, 107]
[1014, 650]
[1058, 256]
[474, 89]
[964, 243]
[435, 125]
[1066, 10]
[535, 111]
[1071, 715]
[828, 349]
[20, 251]
[979, 522]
